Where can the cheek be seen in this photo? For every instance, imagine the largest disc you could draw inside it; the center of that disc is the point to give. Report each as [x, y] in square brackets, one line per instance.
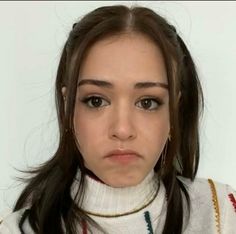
[156, 132]
[157, 124]
[88, 130]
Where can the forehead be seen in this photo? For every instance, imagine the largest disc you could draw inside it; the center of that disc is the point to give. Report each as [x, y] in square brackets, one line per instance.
[126, 59]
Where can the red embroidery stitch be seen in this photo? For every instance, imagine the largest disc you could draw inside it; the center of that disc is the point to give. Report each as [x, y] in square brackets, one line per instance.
[232, 199]
[84, 226]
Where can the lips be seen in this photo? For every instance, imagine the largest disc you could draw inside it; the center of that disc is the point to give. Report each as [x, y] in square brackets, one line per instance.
[125, 152]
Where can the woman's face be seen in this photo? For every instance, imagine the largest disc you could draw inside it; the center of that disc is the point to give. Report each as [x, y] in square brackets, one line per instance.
[122, 105]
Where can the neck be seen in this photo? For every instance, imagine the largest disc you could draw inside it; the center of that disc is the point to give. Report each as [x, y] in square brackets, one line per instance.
[106, 201]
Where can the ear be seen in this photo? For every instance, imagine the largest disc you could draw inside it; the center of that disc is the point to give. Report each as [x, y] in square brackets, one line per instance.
[179, 96]
[63, 91]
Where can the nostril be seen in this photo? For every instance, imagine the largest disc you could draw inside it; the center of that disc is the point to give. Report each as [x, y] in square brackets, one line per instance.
[123, 136]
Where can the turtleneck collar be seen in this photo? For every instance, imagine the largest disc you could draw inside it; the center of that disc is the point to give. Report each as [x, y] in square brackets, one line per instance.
[106, 200]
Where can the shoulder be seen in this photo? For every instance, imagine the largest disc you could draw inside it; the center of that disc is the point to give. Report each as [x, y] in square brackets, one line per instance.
[202, 188]
[213, 202]
[9, 221]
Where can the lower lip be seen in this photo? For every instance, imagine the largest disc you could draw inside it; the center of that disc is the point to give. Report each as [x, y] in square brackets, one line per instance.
[123, 158]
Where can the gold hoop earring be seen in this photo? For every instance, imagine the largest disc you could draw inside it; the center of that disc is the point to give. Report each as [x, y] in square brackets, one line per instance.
[163, 155]
[164, 152]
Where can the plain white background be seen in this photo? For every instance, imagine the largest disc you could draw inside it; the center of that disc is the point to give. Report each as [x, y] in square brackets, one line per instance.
[32, 36]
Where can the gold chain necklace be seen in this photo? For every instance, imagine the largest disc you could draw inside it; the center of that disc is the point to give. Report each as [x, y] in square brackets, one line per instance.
[126, 213]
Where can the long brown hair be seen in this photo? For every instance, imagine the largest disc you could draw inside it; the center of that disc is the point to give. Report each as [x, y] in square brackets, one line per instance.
[52, 209]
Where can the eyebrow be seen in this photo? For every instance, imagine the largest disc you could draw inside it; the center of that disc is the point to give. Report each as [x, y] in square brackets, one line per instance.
[139, 85]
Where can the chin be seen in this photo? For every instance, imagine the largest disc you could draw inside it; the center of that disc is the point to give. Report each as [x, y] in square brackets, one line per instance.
[124, 182]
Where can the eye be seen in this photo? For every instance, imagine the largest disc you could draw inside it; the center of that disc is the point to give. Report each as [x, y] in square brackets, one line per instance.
[95, 101]
[149, 103]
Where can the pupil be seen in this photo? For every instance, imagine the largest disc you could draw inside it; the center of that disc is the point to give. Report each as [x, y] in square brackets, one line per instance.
[146, 103]
[96, 102]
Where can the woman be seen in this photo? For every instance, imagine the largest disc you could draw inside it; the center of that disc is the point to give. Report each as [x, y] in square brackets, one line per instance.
[128, 102]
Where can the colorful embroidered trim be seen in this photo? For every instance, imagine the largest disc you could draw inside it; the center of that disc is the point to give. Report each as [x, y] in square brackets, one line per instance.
[84, 227]
[232, 199]
[148, 221]
[216, 205]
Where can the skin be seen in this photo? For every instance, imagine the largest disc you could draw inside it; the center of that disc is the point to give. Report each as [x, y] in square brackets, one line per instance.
[121, 119]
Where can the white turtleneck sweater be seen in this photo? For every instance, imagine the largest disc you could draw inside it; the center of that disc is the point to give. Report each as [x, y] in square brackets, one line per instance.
[101, 199]
[147, 197]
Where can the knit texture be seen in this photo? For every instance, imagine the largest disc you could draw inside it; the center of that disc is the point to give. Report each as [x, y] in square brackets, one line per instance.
[103, 199]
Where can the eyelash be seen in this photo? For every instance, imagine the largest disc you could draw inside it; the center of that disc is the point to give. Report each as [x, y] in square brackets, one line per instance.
[86, 101]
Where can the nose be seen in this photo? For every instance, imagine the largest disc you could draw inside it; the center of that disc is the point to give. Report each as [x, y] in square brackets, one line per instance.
[122, 125]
